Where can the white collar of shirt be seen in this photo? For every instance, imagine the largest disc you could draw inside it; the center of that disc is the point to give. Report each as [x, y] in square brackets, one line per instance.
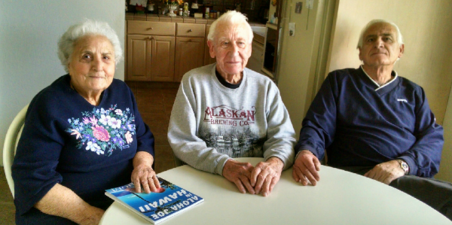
[378, 85]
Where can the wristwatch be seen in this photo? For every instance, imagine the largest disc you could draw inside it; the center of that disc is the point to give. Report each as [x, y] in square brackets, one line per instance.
[404, 166]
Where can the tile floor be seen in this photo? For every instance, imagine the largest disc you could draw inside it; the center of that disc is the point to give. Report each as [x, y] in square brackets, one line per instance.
[155, 101]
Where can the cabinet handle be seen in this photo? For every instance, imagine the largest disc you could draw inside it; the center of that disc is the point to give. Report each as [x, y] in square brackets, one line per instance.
[189, 30]
[150, 28]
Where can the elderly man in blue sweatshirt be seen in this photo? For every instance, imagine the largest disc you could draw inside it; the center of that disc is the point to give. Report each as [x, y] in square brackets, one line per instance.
[375, 123]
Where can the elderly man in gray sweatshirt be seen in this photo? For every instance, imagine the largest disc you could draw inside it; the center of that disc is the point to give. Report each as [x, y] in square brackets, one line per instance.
[223, 111]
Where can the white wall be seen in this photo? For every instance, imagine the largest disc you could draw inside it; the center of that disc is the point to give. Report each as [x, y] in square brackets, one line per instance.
[445, 170]
[29, 32]
[304, 55]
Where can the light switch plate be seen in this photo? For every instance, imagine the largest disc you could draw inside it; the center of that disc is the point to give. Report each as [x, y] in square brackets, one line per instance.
[310, 4]
[292, 29]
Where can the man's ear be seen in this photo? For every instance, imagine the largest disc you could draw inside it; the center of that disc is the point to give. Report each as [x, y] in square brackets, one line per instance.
[402, 50]
[360, 58]
[211, 49]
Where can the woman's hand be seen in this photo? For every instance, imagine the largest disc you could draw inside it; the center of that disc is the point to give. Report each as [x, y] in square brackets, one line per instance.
[143, 176]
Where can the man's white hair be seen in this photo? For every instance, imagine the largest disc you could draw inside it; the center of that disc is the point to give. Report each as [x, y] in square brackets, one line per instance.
[232, 17]
[372, 22]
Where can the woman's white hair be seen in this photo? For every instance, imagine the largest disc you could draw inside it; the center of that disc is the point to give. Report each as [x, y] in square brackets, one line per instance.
[232, 17]
[372, 22]
[88, 27]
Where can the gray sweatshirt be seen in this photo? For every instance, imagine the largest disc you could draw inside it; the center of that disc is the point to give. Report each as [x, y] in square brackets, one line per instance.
[211, 123]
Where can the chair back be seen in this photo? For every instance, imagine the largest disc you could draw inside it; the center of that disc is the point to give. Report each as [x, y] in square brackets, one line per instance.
[9, 147]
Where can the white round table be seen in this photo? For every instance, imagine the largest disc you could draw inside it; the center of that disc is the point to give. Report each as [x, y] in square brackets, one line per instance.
[339, 198]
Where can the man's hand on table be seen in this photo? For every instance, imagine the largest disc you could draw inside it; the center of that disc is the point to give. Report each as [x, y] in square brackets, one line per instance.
[255, 180]
[265, 175]
[386, 172]
[306, 168]
[239, 173]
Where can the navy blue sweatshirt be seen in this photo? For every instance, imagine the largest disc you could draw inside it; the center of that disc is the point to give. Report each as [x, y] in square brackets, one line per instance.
[83, 147]
[360, 124]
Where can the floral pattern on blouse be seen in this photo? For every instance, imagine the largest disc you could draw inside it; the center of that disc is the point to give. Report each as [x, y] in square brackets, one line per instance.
[103, 130]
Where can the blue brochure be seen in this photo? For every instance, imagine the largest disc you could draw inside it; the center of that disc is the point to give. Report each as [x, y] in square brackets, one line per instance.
[155, 206]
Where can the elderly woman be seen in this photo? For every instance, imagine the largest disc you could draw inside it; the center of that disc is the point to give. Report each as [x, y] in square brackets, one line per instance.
[224, 110]
[82, 135]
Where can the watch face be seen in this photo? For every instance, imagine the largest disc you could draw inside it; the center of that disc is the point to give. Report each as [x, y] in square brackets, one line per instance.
[404, 166]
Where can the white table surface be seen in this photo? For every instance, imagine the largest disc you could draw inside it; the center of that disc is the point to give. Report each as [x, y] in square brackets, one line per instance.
[339, 198]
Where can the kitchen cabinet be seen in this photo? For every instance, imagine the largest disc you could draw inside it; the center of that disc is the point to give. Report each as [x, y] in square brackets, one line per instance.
[163, 49]
[162, 58]
[190, 45]
[189, 55]
[207, 59]
[150, 51]
[137, 66]
[150, 58]
[256, 61]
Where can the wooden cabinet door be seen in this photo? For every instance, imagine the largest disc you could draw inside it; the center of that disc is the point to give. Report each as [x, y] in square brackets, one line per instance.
[207, 59]
[162, 58]
[189, 55]
[256, 61]
[138, 58]
[150, 58]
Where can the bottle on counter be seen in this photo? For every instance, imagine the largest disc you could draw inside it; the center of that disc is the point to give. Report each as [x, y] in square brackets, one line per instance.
[151, 6]
[186, 11]
[207, 13]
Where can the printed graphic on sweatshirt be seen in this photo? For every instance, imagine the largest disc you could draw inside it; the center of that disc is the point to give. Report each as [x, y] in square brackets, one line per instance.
[225, 115]
[103, 130]
[229, 131]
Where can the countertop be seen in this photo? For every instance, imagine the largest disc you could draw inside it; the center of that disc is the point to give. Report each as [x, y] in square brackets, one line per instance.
[177, 19]
[259, 29]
